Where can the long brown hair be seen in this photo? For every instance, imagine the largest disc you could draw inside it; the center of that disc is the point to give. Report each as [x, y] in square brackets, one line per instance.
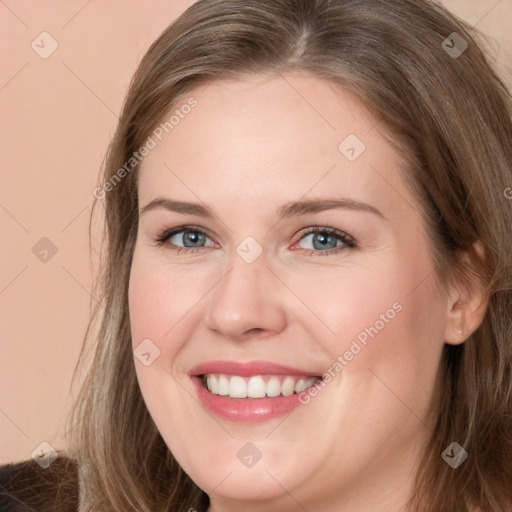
[449, 114]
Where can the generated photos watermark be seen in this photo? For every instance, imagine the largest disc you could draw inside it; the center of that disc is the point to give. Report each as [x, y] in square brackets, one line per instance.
[151, 143]
[356, 346]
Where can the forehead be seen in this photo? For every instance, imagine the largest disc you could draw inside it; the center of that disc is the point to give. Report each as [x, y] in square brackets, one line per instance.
[276, 137]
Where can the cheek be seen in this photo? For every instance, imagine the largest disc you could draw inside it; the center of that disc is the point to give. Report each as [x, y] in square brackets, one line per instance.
[158, 312]
[154, 310]
[392, 351]
[387, 319]
[384, 356]
[160, 301]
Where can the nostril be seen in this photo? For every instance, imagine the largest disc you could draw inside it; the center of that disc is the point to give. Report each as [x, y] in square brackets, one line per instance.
[255, 330]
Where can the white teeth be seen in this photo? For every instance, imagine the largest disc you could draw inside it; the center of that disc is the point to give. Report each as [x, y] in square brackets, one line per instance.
[300, 386]
[303, 384]
[273, 387]
[288, 386]
[257, 386]
[223, 385]
[237, 387]
[212, 384]
[311, 381]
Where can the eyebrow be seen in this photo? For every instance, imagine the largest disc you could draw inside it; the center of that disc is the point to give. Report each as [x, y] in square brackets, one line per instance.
[292, 209]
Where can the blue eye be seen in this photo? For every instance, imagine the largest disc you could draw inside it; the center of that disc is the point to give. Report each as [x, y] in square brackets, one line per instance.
[320, 240]
[325, 240]
[190, 238]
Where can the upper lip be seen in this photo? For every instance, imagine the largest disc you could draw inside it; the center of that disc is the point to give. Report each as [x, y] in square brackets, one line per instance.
[247, 369]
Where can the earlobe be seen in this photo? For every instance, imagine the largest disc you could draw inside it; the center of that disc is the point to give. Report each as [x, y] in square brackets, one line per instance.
[456, 331]
[467, 305]
[463, 320]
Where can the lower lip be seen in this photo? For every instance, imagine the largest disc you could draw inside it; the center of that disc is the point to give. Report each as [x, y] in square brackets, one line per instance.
[246, 410]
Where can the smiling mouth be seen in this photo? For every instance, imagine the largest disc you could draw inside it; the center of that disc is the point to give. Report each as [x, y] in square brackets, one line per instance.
[251, 391]
[256, 386]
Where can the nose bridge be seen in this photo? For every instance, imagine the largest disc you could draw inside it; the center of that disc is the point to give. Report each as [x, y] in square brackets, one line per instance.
[240, 302]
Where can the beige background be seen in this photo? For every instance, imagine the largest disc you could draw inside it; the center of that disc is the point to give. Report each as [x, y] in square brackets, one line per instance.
[57, 115]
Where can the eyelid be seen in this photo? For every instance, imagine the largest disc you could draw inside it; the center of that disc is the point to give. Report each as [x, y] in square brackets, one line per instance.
[347, 240]
[325, 229]
[164, 236]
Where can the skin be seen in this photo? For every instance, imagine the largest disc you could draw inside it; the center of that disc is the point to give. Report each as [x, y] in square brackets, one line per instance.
[248, 148]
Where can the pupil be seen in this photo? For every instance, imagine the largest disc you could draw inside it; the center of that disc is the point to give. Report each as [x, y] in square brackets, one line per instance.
[193, 237]
[323, 240]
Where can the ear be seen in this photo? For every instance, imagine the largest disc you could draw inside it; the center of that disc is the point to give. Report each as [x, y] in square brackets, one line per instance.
[466, 304]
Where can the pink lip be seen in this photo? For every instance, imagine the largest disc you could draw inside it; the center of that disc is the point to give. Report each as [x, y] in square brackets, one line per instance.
[246, 410]
[247, 369]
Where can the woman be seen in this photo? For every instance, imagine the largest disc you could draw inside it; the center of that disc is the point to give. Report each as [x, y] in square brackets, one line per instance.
[235, 370]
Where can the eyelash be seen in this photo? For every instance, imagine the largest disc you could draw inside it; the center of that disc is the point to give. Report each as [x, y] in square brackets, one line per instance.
[347, 240]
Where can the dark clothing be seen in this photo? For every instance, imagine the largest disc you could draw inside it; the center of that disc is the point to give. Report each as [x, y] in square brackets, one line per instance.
[27, 487]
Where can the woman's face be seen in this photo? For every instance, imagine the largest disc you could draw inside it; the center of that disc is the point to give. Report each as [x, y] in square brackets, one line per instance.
[245, 294]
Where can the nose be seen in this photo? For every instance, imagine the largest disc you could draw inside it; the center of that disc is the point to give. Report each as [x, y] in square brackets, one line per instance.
[247, 301]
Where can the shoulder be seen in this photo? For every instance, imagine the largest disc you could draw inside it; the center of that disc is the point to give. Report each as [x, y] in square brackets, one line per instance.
[26, 486]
